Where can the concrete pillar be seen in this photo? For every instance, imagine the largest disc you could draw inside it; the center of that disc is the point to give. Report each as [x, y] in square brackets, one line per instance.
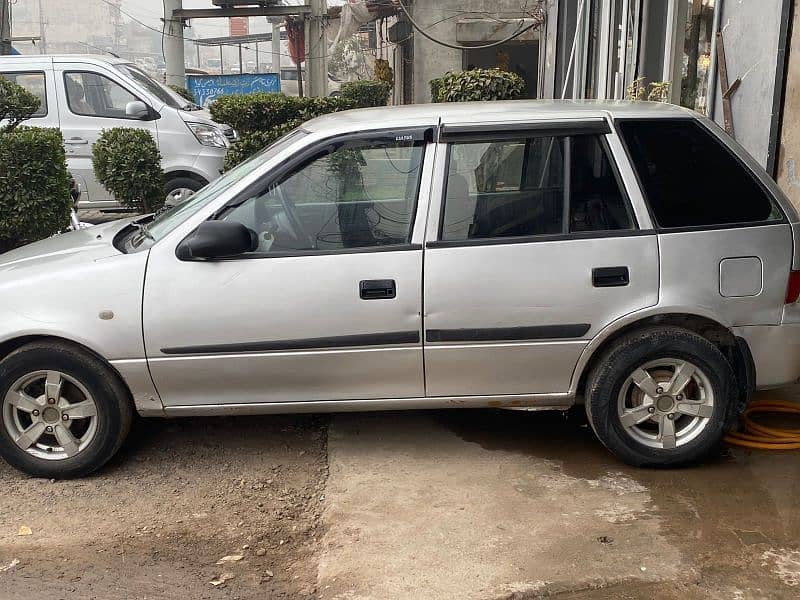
[5, 27]
[276, 46]
[316, 63]
[173, 44]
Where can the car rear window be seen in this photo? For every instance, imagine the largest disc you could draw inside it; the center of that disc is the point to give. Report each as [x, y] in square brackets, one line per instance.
[690, 179]
[531, 186]
[35, 84]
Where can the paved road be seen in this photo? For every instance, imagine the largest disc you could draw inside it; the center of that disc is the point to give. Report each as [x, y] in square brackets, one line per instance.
[489, 504]
[483, 505]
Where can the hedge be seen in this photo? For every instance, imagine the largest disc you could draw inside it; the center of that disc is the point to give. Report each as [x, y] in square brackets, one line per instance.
[127, 162]
[262, 118]
[367, 93]
[34, 186]
[477, 84]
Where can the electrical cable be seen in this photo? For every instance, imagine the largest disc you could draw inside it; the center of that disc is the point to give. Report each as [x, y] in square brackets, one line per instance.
[519, 32]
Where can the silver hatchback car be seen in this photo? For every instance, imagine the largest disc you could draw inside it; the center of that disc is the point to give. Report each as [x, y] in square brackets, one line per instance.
[512, 255]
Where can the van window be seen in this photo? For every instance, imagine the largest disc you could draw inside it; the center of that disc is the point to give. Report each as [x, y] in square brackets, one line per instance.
[35, 84]
[531, 186]
[354, 195]
[95, 95]
[690, 179]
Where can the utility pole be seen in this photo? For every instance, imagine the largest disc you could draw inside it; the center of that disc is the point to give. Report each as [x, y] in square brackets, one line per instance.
[42, 38]
[173, 44]
[316, 63]
[5, 27]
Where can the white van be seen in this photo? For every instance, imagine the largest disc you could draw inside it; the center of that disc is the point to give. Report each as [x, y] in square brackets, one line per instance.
[84, 94]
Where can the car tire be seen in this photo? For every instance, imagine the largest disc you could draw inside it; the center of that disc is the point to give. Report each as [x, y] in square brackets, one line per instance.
[676, 416]
[176, 184]
[79, 383]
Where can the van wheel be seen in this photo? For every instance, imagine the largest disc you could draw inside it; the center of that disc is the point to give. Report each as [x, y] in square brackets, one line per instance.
[64, 413]
[180, 189]
[662, 396]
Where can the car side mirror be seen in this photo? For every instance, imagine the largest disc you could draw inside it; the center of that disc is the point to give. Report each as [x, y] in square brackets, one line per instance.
[217, 239]
[137, 110]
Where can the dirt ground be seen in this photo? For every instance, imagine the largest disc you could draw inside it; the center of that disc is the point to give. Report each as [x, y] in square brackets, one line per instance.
[483, 505]
[181, 495]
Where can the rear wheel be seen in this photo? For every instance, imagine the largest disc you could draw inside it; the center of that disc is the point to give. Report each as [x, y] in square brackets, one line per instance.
[64, 413]
[661, 397]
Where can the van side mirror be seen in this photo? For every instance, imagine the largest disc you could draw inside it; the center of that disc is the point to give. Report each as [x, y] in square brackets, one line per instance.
[217, 239]
[137, 110]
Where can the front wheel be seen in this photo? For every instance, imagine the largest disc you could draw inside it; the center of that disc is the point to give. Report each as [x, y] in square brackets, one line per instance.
[64, 413]
[179, 189]
[661, 397]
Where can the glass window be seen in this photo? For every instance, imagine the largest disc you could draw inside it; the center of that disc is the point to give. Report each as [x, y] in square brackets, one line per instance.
[159, 91]
[516, 188]
[35, 84]
[697, 44]
[350, 196]
[690, 178]
[94, 95]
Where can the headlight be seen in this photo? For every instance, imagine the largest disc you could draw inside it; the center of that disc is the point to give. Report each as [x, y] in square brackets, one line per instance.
[208, 135]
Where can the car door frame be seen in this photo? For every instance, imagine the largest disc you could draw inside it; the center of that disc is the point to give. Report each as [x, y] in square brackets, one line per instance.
[260, 179]
[627, 179]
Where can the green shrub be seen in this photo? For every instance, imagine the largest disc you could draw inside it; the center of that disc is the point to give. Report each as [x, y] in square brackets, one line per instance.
[367, 92]
[262, 118]
[34, 186]
[251, 143]
[127, 162]
[477, 84]
[182, 92]
[255, 112]
[16, 104]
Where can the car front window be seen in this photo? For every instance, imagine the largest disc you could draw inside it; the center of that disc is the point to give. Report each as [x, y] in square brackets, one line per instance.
[166, 221]
[149, 84]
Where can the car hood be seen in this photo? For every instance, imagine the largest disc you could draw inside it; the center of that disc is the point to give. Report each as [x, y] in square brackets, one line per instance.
[198, 116]
[84, 245]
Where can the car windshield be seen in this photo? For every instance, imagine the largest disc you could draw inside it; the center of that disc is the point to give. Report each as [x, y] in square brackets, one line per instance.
[151, 85]
[163, 223]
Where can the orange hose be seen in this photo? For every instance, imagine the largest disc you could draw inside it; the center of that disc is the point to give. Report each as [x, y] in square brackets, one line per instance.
[762, 437]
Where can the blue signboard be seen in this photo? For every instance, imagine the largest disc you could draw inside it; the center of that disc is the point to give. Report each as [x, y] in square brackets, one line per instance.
[207, 88]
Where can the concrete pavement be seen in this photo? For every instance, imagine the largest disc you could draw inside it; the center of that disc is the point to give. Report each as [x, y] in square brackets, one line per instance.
[490, 504]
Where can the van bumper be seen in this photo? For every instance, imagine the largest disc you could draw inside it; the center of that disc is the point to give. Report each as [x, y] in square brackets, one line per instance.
[776, 353]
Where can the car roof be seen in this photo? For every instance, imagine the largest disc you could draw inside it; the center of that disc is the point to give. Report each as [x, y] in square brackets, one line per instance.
[60, 58]
[425, 115]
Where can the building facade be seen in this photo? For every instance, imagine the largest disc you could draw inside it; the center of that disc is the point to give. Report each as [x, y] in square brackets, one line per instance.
[611, 49]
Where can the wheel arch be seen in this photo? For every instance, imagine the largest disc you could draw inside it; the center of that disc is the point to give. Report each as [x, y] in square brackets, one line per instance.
[7, 347]
[735, 349]
[184, 173]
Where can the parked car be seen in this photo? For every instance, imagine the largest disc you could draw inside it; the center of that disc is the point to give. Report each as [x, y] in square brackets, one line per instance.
[82, 95]
[290, 86]
[627, 256]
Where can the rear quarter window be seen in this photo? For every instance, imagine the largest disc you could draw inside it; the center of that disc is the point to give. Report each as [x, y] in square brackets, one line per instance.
[34, 82]
[691, 179]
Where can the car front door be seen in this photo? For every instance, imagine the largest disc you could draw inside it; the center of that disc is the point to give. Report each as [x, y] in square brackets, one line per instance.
[328, 307]
[93, 101]
[534, 250]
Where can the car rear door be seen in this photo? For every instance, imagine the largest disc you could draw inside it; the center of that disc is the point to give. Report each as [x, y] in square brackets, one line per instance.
[532, 250]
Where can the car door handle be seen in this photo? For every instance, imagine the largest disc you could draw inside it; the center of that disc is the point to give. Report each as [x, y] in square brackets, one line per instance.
[76, 141]
[610, 277]
[377, 289]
